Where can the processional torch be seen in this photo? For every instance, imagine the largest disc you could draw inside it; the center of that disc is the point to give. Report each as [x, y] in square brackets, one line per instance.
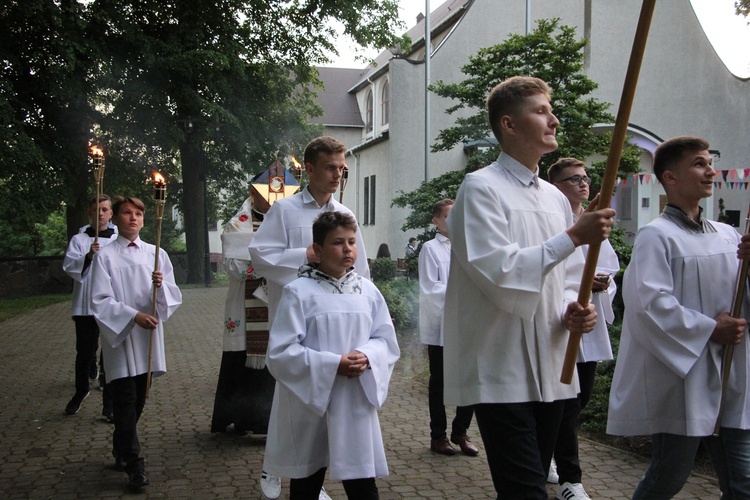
[726, 359]
[98, 156]
[160, 198]
[610, 173]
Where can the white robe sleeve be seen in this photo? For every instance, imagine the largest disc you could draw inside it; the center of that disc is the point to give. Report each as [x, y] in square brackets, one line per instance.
[269, 252]
[684, 332]
[168, 295]
[307, 373]
[608, 263]
[431, 296]
[75, 260]
[382, 351]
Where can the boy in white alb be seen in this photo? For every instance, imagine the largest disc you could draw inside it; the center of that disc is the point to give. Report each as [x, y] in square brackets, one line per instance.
[678, 291]
[569, 176]
[332, 348]
[511, 296]
[77, 264]
[122, 282]
[434, 265]
[284, 240]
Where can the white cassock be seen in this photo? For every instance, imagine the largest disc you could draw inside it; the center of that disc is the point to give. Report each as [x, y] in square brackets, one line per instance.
[74, 265]
[595, 345]
[667, 377]
[513, 271]
[434, 265]
[121, 286]
[321, 419]
[279, 247]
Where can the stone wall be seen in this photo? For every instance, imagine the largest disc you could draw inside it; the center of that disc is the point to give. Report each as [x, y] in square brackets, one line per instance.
[25, 276]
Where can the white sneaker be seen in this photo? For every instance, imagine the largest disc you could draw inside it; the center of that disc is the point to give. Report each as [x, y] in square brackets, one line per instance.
[552, 476]
[323, 495]
[571, 491]
[270, 485]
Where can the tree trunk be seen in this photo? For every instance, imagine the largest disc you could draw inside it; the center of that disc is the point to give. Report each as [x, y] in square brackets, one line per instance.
[193, 208]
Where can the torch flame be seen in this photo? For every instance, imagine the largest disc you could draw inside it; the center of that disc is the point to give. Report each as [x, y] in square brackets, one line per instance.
[296, 164]
[159, 179]
[96, 151]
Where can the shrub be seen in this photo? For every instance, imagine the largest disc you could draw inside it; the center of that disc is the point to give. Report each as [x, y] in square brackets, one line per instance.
[402, 298]
[383, 269]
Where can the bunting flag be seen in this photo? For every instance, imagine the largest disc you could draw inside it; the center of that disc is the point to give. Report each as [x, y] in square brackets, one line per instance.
[738, 178]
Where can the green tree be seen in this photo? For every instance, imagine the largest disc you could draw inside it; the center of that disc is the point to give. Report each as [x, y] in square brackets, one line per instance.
[552, 53]
[46, 78]
[742, 7]
[52, 233]
[204, 90]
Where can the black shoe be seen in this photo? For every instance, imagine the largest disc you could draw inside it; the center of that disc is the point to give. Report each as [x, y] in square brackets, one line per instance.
[120, 466]
[75, 404]
[93, 371]
[137, 480]
[107, 415]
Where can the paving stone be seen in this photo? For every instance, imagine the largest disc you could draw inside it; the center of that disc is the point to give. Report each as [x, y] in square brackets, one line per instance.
[45, 454]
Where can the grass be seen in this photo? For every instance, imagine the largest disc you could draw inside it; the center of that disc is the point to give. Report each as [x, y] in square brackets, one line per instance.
[15, 306]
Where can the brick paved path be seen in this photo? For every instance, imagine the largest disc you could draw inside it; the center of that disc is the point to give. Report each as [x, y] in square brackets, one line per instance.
[44, 454]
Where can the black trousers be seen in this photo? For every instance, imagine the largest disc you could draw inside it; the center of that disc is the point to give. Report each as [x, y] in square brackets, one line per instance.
[566, 448]
[438, 419]
[308, 488]
[87, 343]
[128, 400]
[519, 439]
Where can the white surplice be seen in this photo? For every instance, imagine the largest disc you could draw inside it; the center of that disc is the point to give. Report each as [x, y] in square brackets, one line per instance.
[434, 265]
[595, 345]
[121, 286]
[321, 419]
[74, 264]
[513, 271]
[667, 377]
[279, 247]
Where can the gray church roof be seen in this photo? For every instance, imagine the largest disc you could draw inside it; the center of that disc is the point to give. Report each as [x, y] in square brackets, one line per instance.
[339, 106]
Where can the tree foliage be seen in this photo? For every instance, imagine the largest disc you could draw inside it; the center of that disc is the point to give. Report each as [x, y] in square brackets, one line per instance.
[551, 52]
[202, 90]
[742, 7]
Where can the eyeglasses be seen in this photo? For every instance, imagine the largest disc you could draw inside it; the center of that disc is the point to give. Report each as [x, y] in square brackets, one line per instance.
[576, 180]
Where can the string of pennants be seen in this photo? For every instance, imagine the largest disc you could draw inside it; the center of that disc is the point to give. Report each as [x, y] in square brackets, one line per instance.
[738, 178]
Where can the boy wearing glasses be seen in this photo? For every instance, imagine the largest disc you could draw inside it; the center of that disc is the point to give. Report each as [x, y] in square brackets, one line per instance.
[569, 176]
[512, 292]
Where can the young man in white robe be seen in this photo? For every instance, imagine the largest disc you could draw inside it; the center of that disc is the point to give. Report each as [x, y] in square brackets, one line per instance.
[678, 289]
[434, 265]
[284, 240]
[512, 292]
[77, 264]
[122, 282]
[569, 176]
[332, 349]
